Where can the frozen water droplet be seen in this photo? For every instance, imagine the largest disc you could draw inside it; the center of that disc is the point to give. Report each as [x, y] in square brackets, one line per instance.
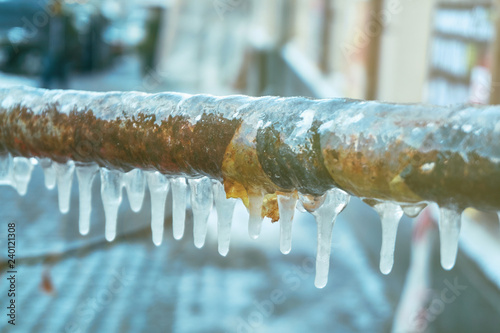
[179, 191]
[22, 169]
[49, 173]
[390, 214]
[225, 209]
[309, 203]
[201, 203]
[158, 188]
[334, 201]
[413, 210]
[449, 232]
[64, 176]
[135, 184]
[286, 205]
[111, 195]
[85, 174]
[255, 202]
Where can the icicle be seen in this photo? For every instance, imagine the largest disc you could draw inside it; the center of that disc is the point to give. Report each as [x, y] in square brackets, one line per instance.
[64, 174]
[201, 203]
[6, 169]
[22, 168]
[225, 209]
[498, 213]
[286, 205]
[158, 189]
[390, 214]
[111, 195]
[255, 202]
[334, 201]
[85, 174]
[413, 210]
[49, 173]
[449, 232]
[179, 190]
[135, 184]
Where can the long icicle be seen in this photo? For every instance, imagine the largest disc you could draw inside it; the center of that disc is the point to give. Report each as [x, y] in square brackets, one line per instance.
[111, 194]
[225, 209]
[158, 188]
[335, 201]
[286, 205]
[85, 174]
[449, 232]
[179, 192]
[64, 175]
[390, 215]
[201, 203]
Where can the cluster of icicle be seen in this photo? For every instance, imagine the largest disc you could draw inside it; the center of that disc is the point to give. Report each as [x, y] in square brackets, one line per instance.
[204, 192]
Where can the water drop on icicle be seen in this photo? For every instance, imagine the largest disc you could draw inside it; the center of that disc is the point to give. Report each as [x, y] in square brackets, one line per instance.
[286, 205]
[449, 232]
[390, 214]
[111, 195]
[135, 184]
[64, 176]
[255, 202]
[225, 209]
[201, 203]
[413, 210]
[49, 173]
[158, 189]
[85, 174]
[179, 191]
[335, 201]
[22, 168]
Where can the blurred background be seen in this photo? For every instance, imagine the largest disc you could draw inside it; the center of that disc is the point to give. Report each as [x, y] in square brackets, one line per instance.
[431, 51]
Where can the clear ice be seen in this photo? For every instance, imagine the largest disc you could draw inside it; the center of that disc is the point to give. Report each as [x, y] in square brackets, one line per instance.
[390, 214]
[334, 201]
[49, 173]
[85, 174]
[255, 202]
[201, 203]
[111, 194]
[413, 210]
[22, 168]
[286, 205]
[179, 191]
[64, 176]
[158, 188]
[225, 210]
[449, 232]
[135, 184]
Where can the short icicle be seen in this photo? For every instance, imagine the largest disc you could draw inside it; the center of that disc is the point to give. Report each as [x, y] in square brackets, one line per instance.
[22, 169]
[449, 232]
[85, 174]
[135, 184]
[49, 173]
[390, 214]
[179, 191]
[201, 203]
[64, 175]
[335, 201]
[255, 202]
[111, 194]
[225, 210]
[158, 188]
[286, 205]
